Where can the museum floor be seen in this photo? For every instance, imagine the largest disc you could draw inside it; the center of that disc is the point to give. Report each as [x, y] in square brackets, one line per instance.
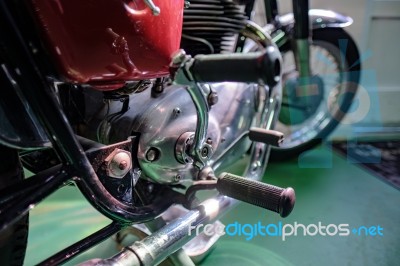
[329, 189]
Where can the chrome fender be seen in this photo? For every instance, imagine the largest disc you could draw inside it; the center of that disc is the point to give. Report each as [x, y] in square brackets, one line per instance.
[320, 18]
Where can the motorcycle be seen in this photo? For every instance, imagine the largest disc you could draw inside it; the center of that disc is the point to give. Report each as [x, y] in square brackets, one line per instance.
[321, 66]
[97, 94]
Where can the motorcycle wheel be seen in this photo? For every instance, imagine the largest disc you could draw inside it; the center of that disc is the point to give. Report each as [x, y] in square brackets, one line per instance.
[335, 66]
[13, 240]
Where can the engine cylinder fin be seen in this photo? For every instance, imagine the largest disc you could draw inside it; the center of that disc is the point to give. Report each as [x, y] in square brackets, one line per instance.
[200, 19]
[211, 26]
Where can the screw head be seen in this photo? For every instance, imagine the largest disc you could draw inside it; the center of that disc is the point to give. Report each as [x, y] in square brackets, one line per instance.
[177, 178]
[152, 154]
[118, 163]
[176, 111]
[255, 166]
[122, 165]
[212, 98]
[179, 57]
[204, 152]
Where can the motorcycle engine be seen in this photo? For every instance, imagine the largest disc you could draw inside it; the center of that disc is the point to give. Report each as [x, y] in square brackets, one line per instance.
[211, 26]
[166, 124]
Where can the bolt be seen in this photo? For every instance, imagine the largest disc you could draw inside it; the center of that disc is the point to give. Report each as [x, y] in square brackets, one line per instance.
[152, 154]
[209, 141]
[179, 57]
[187, 4]
[204, 152]
[176, 112]
[118, 163]
[212, 98]
[122, 165]
[159, 88]
[255, 166]
[177, 178]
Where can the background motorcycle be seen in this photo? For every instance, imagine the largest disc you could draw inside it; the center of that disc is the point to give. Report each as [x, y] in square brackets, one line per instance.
[86, 100]
[321, 68]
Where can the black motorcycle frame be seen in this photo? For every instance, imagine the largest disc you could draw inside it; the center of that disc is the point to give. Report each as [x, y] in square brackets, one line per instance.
[300, 31]
[300, 13]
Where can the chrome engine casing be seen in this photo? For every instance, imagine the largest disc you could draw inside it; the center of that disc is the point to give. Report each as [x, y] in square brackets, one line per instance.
[161, 121]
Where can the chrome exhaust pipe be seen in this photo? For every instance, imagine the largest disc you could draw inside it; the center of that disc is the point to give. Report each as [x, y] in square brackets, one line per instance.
[155, 248]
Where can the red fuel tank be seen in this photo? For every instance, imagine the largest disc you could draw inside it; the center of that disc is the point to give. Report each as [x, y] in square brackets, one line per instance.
[108, 42]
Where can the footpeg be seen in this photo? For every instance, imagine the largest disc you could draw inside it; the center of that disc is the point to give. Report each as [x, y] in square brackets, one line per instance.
[270, 137]
[267, 196]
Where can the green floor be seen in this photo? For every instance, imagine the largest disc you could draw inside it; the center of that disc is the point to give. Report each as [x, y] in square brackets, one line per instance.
[328, 189]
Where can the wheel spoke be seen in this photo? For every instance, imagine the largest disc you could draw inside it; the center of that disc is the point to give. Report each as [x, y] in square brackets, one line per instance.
[324, 63]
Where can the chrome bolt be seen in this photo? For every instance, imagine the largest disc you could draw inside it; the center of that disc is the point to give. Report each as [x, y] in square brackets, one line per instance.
[212, 98]
[209, 141]
[179, 57]
[176, 112]
[123, 165]
[152, 154]
[177, 178]
[255, 166]
[187, 4]
[118, 163]
[204, 152]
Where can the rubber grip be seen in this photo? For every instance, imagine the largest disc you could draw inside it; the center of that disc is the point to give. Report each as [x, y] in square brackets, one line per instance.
[267, 136]
[264, 67]
[267, 196]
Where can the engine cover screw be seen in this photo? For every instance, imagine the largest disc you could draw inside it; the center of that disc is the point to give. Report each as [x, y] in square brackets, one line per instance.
[152, 154]
[177, 178]
[212, 98]
[204, 152]
[176, 111]
[122, 165]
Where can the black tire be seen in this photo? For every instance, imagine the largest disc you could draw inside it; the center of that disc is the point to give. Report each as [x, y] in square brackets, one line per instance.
[13, 240]
[332, 36]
